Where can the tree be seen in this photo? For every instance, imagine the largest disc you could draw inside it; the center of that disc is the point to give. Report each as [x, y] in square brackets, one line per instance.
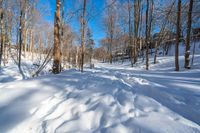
[2, 31]
[89, 45]
[178, 31]
[162, 33]
[187, 44]
[136, 27]
[57, 40]
[83, 22]
[110, 25]
[21, 28]
[147, 36]
[148, 30]
[62, 24]
[130, 32]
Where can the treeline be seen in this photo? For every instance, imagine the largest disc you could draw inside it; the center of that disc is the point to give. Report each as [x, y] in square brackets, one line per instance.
[134, 29]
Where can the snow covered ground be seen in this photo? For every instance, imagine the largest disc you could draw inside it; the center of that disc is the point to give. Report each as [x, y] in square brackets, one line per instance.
[110, 98]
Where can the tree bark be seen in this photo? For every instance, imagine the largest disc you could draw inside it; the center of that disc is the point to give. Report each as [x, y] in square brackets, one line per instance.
[187, 44]
[1, 21]
[83, 36]
[130, 33]
[136, 27]
[147, 36]
[57, 40]
[20, 39]
[178, 30]
[193, 52]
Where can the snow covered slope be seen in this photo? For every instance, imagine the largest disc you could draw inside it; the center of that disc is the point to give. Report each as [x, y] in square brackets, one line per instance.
[110, 98]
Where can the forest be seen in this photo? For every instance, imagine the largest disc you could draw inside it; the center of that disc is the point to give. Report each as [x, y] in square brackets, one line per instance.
[119, 66]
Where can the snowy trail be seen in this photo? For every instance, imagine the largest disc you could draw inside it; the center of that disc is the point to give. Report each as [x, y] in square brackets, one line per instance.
[178, 91]
[175, 90]
[105, 99]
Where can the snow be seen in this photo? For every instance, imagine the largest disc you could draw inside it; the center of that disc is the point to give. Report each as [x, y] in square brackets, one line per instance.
[109, 98]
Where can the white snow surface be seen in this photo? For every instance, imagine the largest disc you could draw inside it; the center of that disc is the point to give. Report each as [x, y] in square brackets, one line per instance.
[108, 99]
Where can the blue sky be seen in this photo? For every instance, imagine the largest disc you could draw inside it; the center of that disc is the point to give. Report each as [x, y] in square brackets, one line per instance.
[95, 24]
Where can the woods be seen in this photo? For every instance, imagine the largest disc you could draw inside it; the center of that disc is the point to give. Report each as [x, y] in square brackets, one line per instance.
[100, 66]
[134, 30]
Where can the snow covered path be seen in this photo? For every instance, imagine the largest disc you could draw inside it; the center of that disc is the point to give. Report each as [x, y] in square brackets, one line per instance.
[106, 99]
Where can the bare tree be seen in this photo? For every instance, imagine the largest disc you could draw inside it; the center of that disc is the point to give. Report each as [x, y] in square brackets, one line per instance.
[83, 35]
[178, 31]
[57, 40]
[147, 35]
[162, 34]
[130, 33]
[187, 44]
[136, 27]
[110, 24]
[21, 28]
[2, 31]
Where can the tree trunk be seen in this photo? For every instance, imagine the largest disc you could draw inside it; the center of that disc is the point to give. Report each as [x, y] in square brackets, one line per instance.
[130, 33]
[20, 39]
[83, 36]
[193, 52]
[62, 31]
[156, 52]
[1, 21]
[178, 30]
[187, 44]
[136, 27]
[147, 36]
[31, 43]
[25, 41]
[57, 50]
[76, 59]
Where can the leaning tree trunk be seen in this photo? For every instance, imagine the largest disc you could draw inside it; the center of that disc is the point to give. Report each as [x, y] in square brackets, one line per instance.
[56, 50]
[187, 44]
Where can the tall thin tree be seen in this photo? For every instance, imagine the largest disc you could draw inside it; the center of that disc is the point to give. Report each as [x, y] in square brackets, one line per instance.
[57, 40]
[130, 33]
[20, 34]
[147, 35]
[83, 22]
[136, 27]
[187, 44]
[1, 22]
[178, 31]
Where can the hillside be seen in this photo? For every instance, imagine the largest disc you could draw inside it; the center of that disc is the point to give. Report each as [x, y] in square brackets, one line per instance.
[109, 98]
